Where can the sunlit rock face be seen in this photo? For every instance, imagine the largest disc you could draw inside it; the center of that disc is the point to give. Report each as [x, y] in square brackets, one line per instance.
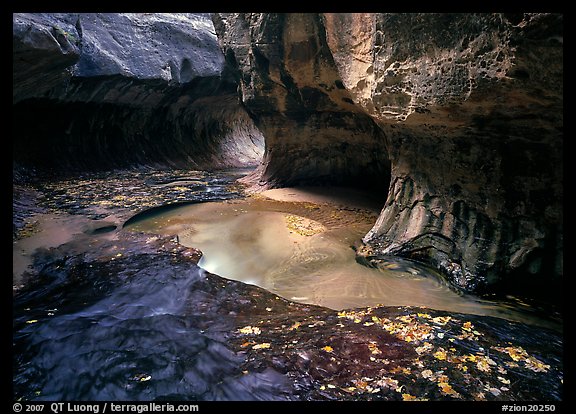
[94, 90]
[463, 111]
[290, 84]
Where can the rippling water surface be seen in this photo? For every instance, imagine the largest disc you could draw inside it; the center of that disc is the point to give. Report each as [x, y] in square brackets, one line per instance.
[99, 323]
[248, 242]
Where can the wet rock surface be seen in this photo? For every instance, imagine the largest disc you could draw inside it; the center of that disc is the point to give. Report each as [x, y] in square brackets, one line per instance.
[119, 194]
[134, 318]
[463, 124]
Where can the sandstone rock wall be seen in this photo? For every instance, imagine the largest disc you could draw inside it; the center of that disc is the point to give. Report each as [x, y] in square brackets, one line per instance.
[124, 89]
[466, 111]
[290, 85]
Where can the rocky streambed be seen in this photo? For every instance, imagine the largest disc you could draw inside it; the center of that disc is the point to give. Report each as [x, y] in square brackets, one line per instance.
[105, 313]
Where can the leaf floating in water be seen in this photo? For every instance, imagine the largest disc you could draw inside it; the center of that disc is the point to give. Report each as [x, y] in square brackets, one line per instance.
[32, 321]
[146, 378]
[408, 397]
[495, 391]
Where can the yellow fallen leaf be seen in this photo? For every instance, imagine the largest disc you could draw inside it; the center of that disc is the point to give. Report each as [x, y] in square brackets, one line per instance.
[146, 378]
[32, 321]
[374, 348]
[424, 315]
[472, 358]
[467, 326]
[482, 365]
[328, 348]
[262, 345]
[250, 330]
[408, 397]
[441, 320]
[535, 365]
[440, 354]
[504, 380]
[296, 325]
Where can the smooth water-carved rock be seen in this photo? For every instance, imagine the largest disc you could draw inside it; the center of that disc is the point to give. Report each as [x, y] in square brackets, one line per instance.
[143, 88]
[289, 83]
[468, 109]
[44, 46]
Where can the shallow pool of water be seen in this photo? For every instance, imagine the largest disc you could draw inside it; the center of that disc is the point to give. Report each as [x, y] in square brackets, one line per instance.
[309, 258]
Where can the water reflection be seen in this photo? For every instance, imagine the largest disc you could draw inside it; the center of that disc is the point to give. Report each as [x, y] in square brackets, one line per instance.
[141, 339]
[254, 243]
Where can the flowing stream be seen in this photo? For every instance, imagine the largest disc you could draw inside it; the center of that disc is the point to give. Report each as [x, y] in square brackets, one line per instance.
[107, 317]
[263, 242]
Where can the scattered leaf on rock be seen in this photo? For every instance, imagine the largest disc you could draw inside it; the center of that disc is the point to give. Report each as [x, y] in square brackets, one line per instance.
[264, 345]
[250, 330]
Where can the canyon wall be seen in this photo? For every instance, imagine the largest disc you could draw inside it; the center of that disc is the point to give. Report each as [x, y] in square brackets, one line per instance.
[102, 90]
[457, 117]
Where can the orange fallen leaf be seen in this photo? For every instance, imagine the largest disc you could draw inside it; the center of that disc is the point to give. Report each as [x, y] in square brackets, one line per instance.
[447, 389]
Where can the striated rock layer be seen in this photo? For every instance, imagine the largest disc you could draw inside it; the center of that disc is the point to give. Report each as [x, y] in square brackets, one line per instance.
[101, 90]
[457, 116]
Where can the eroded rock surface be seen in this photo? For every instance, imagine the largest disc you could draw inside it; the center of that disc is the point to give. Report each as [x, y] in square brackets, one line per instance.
[125, 89]
[135, 319]
[465, 108]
